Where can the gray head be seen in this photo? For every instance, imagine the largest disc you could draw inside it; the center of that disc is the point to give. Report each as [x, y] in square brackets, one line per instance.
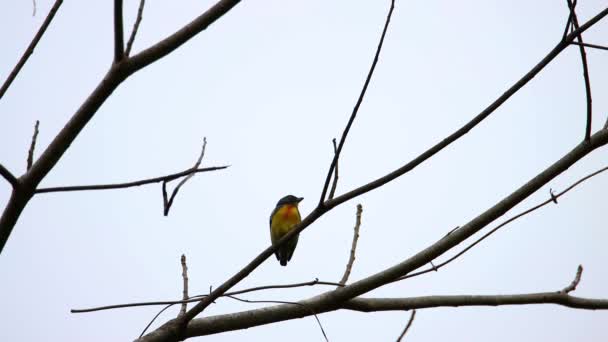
[289, 199]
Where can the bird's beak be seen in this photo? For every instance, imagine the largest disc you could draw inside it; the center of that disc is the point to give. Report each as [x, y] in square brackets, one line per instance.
[300, 199]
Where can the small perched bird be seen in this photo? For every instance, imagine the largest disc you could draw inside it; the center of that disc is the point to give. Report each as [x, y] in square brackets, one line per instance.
[284, 217]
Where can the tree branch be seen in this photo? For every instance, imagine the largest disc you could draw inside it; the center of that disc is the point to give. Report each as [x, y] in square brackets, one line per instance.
[140, 12]
[357, 105]
[579, 38]
[30, 49]
[408, 325]
[351, 260]
[119, 44]
[334, 184]
[167, 203]
[30, 154]
[594, 46]
[553, 198]
[114, 77]
[251, 318]
[184, 307]
[577, 279]
[197, 298]
[9, 177]
[113, 186]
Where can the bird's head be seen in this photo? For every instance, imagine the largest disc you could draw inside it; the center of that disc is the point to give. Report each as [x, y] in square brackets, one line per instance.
[289, 199]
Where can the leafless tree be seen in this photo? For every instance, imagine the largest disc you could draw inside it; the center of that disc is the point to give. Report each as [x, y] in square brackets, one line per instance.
[341, 296]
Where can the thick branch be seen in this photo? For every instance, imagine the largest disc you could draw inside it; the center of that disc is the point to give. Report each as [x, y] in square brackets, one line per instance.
[251, 318]
[119, 44]
[30, 49]
[128, 184]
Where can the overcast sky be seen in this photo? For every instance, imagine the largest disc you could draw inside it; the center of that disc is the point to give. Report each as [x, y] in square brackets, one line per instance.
[269, 85]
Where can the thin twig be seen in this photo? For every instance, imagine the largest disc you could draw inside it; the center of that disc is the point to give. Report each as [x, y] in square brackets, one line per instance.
[30, 48]
[33, 8]
[9, 176]
[119, 44]
[284, 302]
[30, 154]
[140, 12]
[568, 22]
[552, 199]
[353, 248]
[593, 46]
[154, 319]
[197, 297]
[184, 307]
[357, 105]
[407, 327]
[579, 38]
[167, 203]
[332, 192]
[114, 186]
[575, 281]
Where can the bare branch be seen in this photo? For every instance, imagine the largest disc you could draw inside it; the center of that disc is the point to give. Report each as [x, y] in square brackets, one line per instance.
[114, 186]
[140, 12]
[553, 198]
[33, 8]
[30, 154]
[357, 105]
[568, 22]
[197, 297]
[278, 313]
[351, 260]
[579, 38]
[332, 192]
[577, 279]
[30, 49]
[185, 280]
[9, 177]
[119, 44]
[593, 46]
[407, 327]
[167, 203]
[113, 78]
[285, 302]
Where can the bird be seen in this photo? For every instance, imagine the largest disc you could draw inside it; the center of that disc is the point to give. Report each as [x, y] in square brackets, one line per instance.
[282, 219]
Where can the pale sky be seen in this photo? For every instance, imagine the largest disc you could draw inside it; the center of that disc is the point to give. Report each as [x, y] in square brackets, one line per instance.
[269, 85]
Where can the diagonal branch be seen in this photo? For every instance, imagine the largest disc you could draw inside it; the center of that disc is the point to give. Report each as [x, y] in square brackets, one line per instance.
[577, 279]
[334, 162]
[30, 49]
[407, 326]
[9, 177]
[334, 184]
[140, 12]
[553, 199]
[579, 38]
[119, 44]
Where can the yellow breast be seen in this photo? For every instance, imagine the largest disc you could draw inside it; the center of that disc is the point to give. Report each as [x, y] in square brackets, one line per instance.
[283, 220]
